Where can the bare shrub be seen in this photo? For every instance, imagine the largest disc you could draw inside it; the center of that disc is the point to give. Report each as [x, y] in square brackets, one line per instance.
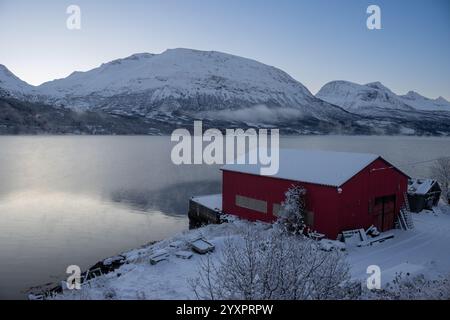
[441, 172]
[406, 287]
[273, 265]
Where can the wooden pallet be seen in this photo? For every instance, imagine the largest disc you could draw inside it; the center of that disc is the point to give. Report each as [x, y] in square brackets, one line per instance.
[380, 238]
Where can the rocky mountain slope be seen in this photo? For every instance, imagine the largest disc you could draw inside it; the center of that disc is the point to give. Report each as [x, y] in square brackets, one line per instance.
[13, 86]
[21, 117]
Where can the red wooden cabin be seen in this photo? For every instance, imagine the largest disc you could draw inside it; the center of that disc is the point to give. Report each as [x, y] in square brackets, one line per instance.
[344, 190]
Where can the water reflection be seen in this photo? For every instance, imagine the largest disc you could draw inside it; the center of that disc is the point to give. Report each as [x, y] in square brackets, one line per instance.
[43, 232]
[171, 200]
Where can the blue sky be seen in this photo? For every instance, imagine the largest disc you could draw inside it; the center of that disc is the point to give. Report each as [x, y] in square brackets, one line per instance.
[314, 41]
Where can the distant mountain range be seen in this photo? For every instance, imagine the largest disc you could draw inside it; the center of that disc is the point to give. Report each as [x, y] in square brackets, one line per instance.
[160, 92]
[364, 99]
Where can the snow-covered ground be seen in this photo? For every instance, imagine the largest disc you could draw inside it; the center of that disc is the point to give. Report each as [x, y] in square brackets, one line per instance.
[424, 250]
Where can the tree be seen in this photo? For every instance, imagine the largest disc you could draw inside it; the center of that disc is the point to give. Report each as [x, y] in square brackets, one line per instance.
[441, 172]
[273, 265]
[293, 210]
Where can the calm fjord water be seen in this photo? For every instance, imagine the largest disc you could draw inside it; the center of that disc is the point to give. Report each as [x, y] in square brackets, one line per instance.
[77, 199]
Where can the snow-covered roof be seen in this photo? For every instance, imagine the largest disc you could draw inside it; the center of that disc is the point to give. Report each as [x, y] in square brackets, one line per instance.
[420, 186]
[213, 201]
[313, 166]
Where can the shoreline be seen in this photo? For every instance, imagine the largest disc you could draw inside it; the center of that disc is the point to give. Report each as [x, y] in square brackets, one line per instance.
[106, 266]
[169, 279]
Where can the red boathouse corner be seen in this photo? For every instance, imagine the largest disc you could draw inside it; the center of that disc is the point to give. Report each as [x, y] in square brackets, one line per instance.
[343, 190]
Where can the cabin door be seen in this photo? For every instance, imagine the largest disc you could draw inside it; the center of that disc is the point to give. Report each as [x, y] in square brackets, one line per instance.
[384, 211]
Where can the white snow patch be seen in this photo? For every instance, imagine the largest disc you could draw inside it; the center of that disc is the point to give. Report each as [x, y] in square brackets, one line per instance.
[213, 201]
[407, 131]
[421, 186]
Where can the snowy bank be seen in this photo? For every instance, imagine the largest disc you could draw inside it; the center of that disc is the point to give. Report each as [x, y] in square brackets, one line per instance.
[423, 250]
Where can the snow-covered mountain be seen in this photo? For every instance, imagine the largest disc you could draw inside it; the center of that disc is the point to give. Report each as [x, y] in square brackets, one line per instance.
[12, 84]
[375, 98]
[160, 92]
[187, 81]
[361, 98]
[420, 102]
[176, 73]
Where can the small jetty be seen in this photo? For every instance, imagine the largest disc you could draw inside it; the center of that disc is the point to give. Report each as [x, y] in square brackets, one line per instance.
[205, 210]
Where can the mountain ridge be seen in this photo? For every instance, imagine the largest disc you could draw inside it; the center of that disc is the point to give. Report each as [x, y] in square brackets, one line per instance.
[363, 98]
[185, 80]
[180, 85]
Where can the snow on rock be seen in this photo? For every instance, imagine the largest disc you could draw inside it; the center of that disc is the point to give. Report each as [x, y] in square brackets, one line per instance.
[12, 84]
[420, 102]
[407, 131]
[361, 98]
[368, 99]
[111, 260]
[423, 250]
[328, 245]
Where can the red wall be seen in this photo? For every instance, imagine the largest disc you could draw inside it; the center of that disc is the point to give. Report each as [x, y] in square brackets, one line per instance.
[377, 180]
[321, 200]
[333, 212]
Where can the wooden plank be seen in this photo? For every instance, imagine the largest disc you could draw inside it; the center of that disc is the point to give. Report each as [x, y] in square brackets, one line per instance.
[380, 238]
[363, 235]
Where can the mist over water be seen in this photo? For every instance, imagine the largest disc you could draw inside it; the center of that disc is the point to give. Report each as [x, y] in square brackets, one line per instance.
[77, 199]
